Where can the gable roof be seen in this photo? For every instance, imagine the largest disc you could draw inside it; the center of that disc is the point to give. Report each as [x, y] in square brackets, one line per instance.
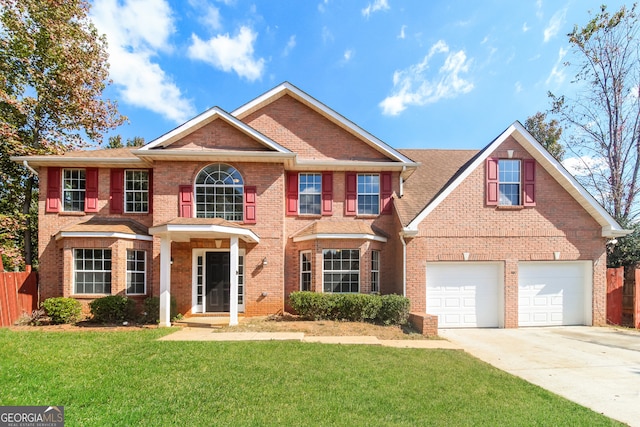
[106, 157]
[610, 228]
[287, 88]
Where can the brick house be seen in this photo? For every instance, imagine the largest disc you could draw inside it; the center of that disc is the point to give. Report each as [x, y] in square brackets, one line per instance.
[231, 212]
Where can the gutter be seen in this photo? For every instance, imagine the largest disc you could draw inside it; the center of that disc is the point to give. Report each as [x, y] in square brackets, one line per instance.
[32, 170]
[404, 264]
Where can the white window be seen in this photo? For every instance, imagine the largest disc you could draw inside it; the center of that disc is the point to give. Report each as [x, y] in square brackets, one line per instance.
[219, 193]
[375, 271]
[509, 182]
[305, 271]
[368, 194]
[73, 190]
[310, 188]
[136, 191]
[341, 272]
[136, 272]
[92, 272]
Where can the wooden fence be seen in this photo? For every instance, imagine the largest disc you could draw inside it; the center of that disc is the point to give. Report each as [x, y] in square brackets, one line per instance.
[18, 294]
[623, 296]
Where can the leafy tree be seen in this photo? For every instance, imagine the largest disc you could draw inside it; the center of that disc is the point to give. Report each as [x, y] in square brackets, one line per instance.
[137, 141]
[547, 133]
[604, 115]
[53, 70]
[626, 251]
[115, 142]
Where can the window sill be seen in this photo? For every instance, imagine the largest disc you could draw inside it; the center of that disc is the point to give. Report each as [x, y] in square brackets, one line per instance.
[67, 213]
[372, 216]
[88, 296]
[509, 208]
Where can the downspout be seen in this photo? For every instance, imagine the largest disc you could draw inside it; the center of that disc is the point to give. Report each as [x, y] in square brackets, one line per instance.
[32, 170]
[404, 265]
[404, 168]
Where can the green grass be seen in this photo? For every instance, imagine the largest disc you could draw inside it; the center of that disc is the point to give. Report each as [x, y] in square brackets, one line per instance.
[129, 378]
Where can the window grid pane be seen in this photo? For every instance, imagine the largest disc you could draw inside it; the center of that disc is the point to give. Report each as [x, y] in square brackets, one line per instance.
[92, 271]
[136, 272]
[341, 270]
[73, 190]
[368, 194]
[509, 182]
[305, 271]
[199, 281]
[219, 193]
[310, 193]
[136, 191]
[375, 271]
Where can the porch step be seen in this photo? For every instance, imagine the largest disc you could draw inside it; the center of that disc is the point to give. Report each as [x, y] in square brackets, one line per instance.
[215, 322]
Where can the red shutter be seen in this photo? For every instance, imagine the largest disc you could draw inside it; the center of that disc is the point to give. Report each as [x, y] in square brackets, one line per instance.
[292, 193]
[492, 194]
[91, 190]
[386, 190]
[186, 201]
[150, 172]
[529, 172]
[327, 193]
[249, 204]
[351, 194]
[54, 181]
[116, 192]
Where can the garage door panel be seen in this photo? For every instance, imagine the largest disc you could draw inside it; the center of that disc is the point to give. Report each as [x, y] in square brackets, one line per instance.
[464, 294]
[554, 293]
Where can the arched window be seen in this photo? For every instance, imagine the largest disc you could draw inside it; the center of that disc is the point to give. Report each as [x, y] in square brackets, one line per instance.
[219, 193]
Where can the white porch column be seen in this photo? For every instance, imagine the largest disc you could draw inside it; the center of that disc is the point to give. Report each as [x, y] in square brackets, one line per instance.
[233, 272]
[165, 280]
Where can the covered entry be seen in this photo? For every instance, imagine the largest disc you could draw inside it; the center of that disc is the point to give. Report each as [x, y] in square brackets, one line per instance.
[185, 229]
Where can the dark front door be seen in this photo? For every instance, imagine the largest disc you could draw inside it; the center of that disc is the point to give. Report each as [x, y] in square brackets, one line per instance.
[218, 282]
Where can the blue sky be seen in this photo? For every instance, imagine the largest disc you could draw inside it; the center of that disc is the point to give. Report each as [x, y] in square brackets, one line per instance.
[416, 74]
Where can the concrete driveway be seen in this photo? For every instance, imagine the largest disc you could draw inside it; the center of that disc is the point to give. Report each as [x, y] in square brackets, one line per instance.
[596, 367]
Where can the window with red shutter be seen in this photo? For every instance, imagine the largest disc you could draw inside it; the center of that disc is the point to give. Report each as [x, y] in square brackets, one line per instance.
[116, 192]
[386, 190]
[292, 193]
[351, 194]
[492, 193]
[327, 193]
[186, 201]
[249, 204]
[529, 181]
[54, 181]
[91, 190]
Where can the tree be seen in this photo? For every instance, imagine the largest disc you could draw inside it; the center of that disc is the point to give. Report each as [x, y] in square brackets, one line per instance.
[116, 142]
[53, 70]
[547, 133]
[604, 114]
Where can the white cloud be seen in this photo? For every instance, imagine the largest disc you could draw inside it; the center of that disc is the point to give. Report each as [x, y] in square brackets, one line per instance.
[376, 6]
[290, 45]
[229, 53]
[413, 86]
[327, 35]
[518, 87]
[347, 55]
[321, 7]
[525, 27]
[539, 13]
[402, 35]
[555, 23]
[132, 47]
[557, 74]
[584, 165]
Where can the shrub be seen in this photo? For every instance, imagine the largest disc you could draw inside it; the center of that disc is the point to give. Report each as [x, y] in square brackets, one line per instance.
[112, 309]
[151, 309]
[387, 309]
[394, 310]
[62, 310]
[33, 319]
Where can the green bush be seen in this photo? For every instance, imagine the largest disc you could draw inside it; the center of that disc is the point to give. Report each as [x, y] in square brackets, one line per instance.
[62, 310]
[387, 309]
[113, 309]
[393, 311]
[151, 310]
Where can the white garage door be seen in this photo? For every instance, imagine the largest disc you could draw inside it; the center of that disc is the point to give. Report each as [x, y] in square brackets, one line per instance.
[465, 295]
[554, 293]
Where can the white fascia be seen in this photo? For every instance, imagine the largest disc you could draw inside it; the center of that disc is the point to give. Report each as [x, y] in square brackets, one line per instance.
[70, 161]
[199, 229]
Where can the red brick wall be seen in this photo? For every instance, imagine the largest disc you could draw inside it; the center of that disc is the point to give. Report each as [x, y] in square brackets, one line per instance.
[462, 223]
[303, 131]
[219, 134]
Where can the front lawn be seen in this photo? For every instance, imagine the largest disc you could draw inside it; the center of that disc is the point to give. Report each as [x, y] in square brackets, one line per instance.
[129, 378]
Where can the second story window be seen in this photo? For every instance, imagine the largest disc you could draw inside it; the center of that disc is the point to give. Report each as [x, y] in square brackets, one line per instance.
[219, 193]
[310, 193]
[368, 194]
[73, 190]
[136, 190]
[509, 182]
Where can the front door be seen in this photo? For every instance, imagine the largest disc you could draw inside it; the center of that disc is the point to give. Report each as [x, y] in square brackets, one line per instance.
[218, 283]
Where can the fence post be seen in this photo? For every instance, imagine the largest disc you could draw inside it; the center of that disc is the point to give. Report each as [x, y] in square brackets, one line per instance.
[615, 280]
[636, 301]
